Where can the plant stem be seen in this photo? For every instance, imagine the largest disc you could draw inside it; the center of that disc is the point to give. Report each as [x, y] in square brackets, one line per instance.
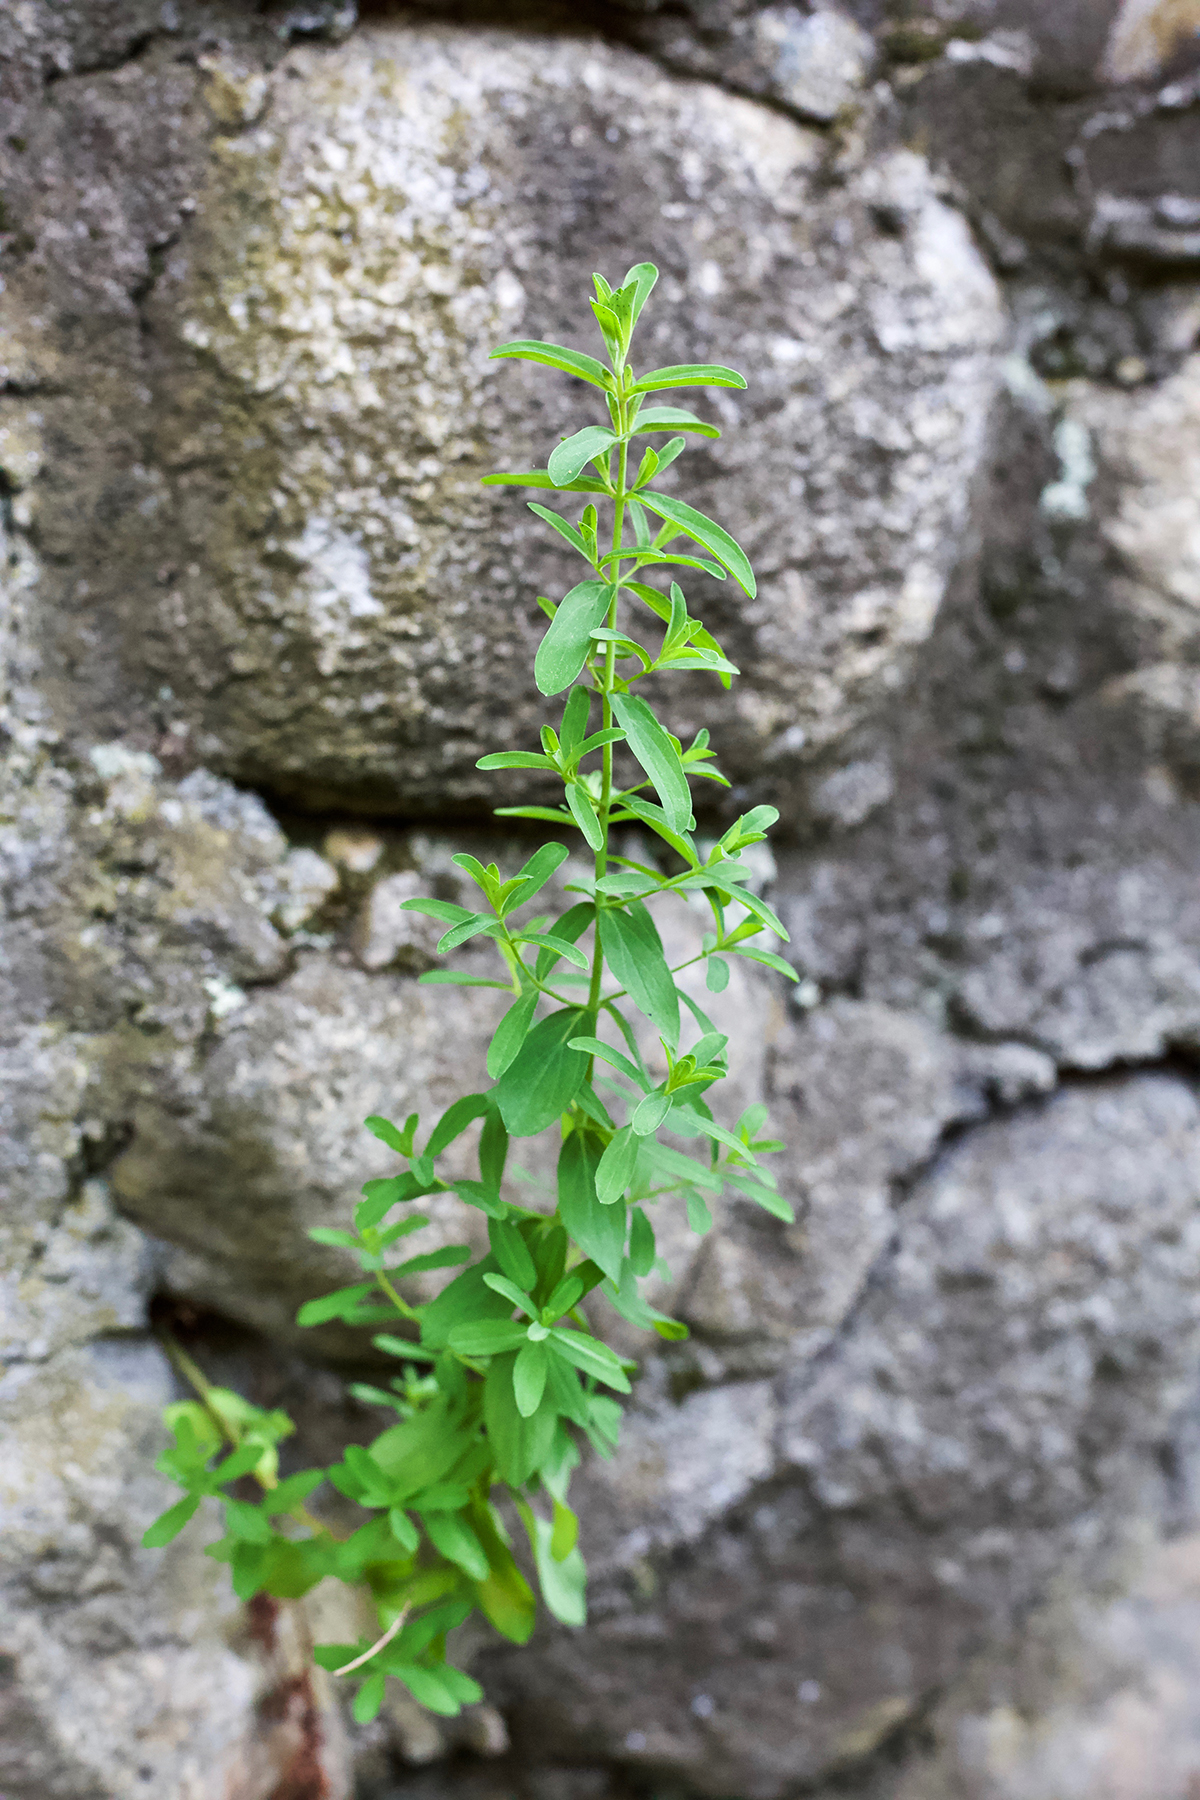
[610, 664]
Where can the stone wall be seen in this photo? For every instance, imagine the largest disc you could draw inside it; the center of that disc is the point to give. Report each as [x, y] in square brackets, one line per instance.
[914, 1514]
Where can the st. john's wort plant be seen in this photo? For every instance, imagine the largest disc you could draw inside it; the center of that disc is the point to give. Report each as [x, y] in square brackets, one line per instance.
[501, 1377]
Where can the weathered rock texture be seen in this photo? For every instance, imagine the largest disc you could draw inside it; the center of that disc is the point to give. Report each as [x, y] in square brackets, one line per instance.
[913, 1513]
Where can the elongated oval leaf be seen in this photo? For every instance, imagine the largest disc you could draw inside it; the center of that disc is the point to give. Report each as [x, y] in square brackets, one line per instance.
[512, 1253]
[633, 950]
[529, 1378]
[568, 459]
[564, 529]
[705, 531]
[642, 276]
[557, 356]
[589, 1354]
[450, 1533]
[606, 1053]
[487, 1337]
[514, 759]
[615, 1170]
[598, 1230]
[539, 478]
[454, 1121]
[666, 418]
[545, 1076]
[563, 651]
[510, 1034]
[584, 815]
[768, 960]
[650, 1114]
[658, 756]
[169, 1524]
[535, 874]
[688, 375]
[642, 1247]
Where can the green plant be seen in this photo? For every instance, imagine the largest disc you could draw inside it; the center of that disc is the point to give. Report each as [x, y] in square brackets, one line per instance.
[500, 1374]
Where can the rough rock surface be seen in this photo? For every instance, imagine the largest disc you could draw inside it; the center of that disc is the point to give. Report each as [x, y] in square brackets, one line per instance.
[913, 1513]
[333, 609]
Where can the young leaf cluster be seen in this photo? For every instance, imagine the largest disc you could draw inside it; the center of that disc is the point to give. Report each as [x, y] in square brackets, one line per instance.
[501, 1378]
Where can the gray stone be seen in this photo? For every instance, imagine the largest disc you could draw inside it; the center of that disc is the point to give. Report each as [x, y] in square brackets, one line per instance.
[1016, 1358]
[316, 605]
[878, 1523]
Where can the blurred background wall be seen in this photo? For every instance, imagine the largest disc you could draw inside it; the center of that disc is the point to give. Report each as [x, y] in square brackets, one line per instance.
[915, 1513]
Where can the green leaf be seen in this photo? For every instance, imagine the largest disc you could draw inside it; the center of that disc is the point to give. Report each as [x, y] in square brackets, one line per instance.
[539, 478]
[430, 1688]
[549, 940]
[564, 530]
[295, 1489]
[564, 649]
[369, 1698]
[584, 814]
[711, 876]
[169, 1524]
[556, 815]
[669, 418]
[633, 950]
[688, 375]
[512, 1253]
[642, 276]
[436, 909]
[493, 1151]
[341, 1304]
[545, 1075]
[656, 818]
[399, 1141]
[763, 1196]
[488, 1337]
[571, 926]
[707, 532]
[658, 756]
[477, 925]
[698, 1216]
[514, 759]
[341, 1240]
[590, 1355]
[247, 1522]
[642, 1247]
[520, 1444]
[666, 456]
[382, 1195]
[529, 1378]
[500, 1284]
[679, 559]
[450, 1533]
[403, 1529]
[768, 959]
[569, 459]
[511, 1033]
[562, 1578]
[465, 1300]
[454, 1121]
[564, 1533]
[505, 1598]
[596, 1046]
[456, 978]
[716, 977]
[557, 356]
[650, 1114]
[615, 1170]
[538, 870]
[448, 1257]
[598, 1230]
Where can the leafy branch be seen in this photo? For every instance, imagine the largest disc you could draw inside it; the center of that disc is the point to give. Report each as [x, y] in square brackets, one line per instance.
[501, 1377]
